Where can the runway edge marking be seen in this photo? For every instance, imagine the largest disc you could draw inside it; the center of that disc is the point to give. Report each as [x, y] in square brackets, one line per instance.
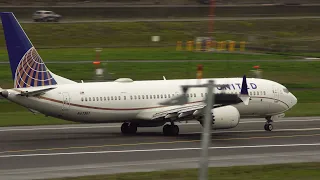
[157, 150]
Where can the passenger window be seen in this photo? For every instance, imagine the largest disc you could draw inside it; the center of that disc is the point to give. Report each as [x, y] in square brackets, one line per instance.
[195, 95]
[89, 98]
[201, 94]
[250, 93]
[119, 97]
[257, 92]
[124, 97]
[93, 99]
[154, 96]
[86, 99]
[158, 96]
[138, 96]
[105, 99]
[131, 97]
[100, 98]
[135, 97]
[97, 98]
[264, 93]
[150, 96]
[168, 95]
[146, 96]
[82, 99]
[108, 98]
[111, 98]
[115, 98]
[190, 95]
[165, 96]
[254, 93]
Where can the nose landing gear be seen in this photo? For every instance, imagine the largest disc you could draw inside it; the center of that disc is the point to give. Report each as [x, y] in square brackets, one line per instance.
[268, 125]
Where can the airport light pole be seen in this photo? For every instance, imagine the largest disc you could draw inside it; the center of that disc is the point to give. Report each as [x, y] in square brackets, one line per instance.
[206, 135]
[208, 120]
[207, 126]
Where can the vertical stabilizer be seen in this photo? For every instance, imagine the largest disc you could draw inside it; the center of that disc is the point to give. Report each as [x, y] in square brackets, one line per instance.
[27, 67]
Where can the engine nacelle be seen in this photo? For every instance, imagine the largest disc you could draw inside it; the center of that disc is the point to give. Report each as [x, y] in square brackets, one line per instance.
[225, 117]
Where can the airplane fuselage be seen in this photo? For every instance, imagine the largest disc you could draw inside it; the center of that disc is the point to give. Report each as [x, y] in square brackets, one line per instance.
[123, 101]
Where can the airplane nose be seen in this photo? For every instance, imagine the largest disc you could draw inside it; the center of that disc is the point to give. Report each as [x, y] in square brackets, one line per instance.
[294, 100]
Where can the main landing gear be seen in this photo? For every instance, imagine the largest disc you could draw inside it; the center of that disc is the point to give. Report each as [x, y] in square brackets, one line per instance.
[268, 126]
[170, 129]
[128, 128]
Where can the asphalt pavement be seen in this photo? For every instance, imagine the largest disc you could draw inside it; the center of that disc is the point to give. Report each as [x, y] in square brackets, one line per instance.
[75, 150]
[188, 19]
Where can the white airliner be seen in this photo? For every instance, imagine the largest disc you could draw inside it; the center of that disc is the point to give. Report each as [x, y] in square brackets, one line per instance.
[135, 103]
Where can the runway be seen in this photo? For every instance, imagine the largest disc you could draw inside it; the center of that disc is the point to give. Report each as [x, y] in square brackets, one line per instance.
[75, 150]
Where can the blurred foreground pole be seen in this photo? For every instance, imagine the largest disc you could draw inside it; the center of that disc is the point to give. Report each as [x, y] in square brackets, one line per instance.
[206, 135]
[211, 15]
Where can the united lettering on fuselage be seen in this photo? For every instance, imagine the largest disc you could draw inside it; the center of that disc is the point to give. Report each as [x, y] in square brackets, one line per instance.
[237, 86]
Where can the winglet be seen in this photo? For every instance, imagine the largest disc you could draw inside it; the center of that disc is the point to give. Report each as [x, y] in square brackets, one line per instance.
[244, 95]
[164, 78]
[244, 86]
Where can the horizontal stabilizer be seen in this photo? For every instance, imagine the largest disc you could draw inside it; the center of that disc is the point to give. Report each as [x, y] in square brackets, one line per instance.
[34, 111]
[36, 91]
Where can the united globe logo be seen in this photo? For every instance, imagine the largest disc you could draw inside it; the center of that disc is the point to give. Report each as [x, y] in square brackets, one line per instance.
[32, 72]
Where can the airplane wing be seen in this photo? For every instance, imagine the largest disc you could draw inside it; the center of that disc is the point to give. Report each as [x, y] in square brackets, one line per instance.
[36, 91]
[171, 111]
[179, 107]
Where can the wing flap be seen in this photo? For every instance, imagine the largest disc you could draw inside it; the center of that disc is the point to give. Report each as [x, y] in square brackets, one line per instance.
[170, 112]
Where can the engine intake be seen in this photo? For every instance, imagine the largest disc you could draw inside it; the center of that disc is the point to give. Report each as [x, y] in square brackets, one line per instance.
[225, 117]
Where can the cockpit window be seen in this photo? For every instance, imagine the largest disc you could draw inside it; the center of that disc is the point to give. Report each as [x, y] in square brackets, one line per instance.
[286, 90]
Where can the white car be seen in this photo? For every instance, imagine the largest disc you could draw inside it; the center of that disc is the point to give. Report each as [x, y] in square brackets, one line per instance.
[46, 16]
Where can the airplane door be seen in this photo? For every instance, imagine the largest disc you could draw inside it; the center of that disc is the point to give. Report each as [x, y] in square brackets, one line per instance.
[66, 101]
[276, 94]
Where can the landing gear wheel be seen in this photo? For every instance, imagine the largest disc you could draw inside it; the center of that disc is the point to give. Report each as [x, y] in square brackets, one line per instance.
[174, 130]
[170, 130]
[166, 130]
[128, 128]
[268, 127]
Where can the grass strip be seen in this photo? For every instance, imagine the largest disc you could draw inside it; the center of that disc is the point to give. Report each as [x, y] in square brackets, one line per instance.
[156, 53]
[290, 171]
[265, 33]
[291, 74]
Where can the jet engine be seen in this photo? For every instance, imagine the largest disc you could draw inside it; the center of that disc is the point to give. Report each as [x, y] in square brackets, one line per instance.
[225, 117]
